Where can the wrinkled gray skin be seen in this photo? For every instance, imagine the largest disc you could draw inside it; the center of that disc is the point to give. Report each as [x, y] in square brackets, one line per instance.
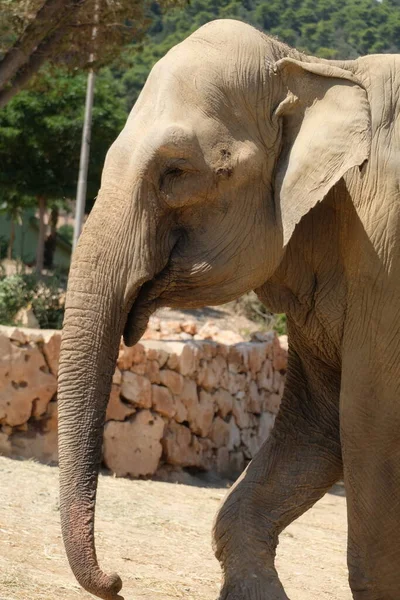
[247, 165]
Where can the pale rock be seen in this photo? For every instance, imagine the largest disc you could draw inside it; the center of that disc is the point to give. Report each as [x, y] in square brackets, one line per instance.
[139, 368]
[26, 386]
[257, 355]
[234, 435]
[117, 377]
[181, 413]
[136, 389]
[181, 447]
[13, 333]
[267, 337]
[172, 380]
[185, 336]
[189, 359]
[277, 381]
[130, 355]
[153, 371]
[173, 362]
[236, 463]
[133, 447]
[254, 399]
[200, 421]
[251, 442]
[189, 396]
[170, 328]
[158, 354]
[5, 444]
[235, 360]
[220, 432]
[242, 417]
[280, 352]
[26, 317]
[271, 403]
[237, 382]
[116, 409]
[51, 349]
[265, 376]
[265, 426]
[189, 327]
[163, 401]
[40, 446]
[224, 402]
[210, 374]
[223, 462]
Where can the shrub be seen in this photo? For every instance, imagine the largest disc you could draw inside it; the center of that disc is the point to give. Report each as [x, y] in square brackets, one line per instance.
[45, 296]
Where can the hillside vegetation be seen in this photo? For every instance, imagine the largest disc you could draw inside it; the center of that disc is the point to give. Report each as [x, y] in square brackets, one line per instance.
[326, 28]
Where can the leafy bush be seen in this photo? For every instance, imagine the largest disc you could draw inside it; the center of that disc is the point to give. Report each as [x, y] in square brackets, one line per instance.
[44, 296]
[251, 307]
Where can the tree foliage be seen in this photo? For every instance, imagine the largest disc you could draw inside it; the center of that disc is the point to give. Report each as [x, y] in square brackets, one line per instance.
[77, 33]
[325, 28]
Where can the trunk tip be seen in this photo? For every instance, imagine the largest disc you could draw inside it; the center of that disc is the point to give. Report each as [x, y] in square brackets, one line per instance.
[107, 587]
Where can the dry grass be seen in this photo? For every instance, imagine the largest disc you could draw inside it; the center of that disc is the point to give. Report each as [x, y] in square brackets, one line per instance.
[156, 535]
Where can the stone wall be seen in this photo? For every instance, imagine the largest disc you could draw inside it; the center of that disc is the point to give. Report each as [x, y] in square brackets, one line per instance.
[188, 402]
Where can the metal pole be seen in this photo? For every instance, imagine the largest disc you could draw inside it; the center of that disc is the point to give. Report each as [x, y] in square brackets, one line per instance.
[85, 146]
[84, 159]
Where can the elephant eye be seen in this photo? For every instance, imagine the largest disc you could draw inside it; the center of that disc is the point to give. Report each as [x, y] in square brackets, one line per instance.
[170, 174]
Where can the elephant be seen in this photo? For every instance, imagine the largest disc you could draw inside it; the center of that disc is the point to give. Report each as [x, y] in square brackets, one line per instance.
[247, 165]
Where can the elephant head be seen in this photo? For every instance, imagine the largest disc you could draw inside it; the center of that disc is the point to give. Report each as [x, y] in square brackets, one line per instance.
[233, 139]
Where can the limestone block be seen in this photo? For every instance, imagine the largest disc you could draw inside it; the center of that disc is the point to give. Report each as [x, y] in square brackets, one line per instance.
[220, 432]
[130, 355]
[271, 402]
[13, 333]
[189, 396]
[280, 349]
[158, 354]
[26, 385]
[117, 377]
[34, 444]
[51, 349]
[257, 355]
[236, 463]
[116, 409]
[265, 426]
[210, 373]
[139, 368]
[265, 376]
[240, 413]
[234, 435]
[251, 442]
[189, 327]
[163, 401]
[253, 399]
[224, 402]
[236, 382]
[182, 448]
[172, 380]
[136, 389]
[133, 447]
[181, 413]
[223, 462]
[201, 418]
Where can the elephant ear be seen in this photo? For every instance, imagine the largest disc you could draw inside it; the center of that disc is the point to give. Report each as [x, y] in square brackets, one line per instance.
[326, 130]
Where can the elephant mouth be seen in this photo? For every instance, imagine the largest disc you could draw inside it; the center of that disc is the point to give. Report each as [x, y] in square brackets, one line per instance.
[146, 302]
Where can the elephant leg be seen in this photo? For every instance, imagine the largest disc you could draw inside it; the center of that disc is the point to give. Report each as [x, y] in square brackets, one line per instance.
[370, 432]
[298, 463]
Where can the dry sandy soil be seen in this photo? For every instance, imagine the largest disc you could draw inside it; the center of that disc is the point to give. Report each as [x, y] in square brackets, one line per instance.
[156, 535]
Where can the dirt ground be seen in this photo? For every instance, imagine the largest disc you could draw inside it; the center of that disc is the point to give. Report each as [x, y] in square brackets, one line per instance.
[156, 536]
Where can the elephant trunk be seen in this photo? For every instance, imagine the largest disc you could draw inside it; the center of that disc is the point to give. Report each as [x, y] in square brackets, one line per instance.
[87, 364]
[101, 290]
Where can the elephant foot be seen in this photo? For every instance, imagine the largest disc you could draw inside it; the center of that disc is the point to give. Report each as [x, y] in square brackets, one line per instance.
[254, 587]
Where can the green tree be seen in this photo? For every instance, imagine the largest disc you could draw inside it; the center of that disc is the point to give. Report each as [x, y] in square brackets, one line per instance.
[33, 32]
[40, 137]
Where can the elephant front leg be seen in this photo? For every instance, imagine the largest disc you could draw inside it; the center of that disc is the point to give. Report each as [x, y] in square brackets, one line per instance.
[370, 432]
[295, 467]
